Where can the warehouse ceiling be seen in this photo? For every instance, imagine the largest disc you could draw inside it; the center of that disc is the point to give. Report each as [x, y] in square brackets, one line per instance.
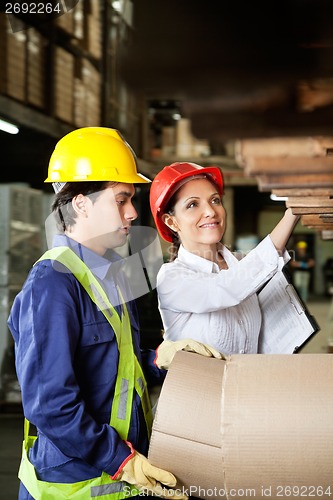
[237, 68]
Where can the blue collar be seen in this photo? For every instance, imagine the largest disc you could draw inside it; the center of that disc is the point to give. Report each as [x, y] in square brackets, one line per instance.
[97, 264]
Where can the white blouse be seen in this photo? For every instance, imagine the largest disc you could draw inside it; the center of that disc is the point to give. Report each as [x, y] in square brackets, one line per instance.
[217, 307]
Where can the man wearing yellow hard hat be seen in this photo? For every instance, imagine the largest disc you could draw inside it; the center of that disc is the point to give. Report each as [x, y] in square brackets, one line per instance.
[76, 333]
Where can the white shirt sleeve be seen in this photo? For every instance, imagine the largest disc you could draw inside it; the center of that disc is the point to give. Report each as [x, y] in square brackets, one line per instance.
[182, 288]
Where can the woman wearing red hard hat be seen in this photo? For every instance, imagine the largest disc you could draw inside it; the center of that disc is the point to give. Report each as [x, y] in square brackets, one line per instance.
[206, 293]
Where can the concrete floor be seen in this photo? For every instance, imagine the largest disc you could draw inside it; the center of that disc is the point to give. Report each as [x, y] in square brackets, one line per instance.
[322, 341]
[11, 436]
[11, 419]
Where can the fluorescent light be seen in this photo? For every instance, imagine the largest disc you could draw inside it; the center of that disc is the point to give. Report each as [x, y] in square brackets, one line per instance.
[8, 127]
[117, 5]
[278, 198]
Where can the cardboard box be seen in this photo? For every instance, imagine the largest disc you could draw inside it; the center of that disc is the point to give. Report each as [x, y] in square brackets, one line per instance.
[66, 20]
[79, 103]
[63, 81]
[78, 19]
[93, 28]
[12, 59]
[253, 425]
[93, 35]
[186, 143]
[87, 94]
[92, 84]
[36, 68]
[168, 141]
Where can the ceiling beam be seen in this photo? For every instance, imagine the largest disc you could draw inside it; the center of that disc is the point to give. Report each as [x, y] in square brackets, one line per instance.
[290, 164]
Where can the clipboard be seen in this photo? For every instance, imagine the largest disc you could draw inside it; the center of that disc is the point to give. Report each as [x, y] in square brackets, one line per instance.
[287, 324]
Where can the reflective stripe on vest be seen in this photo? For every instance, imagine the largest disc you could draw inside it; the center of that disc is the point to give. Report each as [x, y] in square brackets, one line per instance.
[129, 377]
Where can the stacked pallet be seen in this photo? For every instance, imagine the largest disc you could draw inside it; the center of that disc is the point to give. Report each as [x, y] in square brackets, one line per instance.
[299, 169]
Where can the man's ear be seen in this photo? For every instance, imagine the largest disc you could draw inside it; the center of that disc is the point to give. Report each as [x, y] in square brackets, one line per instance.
[170, 222]
[79, 204]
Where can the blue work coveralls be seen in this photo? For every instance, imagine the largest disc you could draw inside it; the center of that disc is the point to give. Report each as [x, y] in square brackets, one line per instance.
[66, 360]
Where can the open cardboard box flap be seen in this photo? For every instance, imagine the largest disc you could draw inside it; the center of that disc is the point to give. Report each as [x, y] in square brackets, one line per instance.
[253, 425]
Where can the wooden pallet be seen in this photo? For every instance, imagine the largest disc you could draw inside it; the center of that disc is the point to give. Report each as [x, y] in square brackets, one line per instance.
[299, 170]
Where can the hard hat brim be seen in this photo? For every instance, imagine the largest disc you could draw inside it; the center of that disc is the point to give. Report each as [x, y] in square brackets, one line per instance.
[134, 179]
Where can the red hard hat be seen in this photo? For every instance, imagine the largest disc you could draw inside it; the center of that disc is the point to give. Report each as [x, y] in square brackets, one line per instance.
[166, 183]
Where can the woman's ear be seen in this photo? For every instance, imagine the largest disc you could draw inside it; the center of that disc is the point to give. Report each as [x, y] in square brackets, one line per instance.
[79, 204]
[170, 222]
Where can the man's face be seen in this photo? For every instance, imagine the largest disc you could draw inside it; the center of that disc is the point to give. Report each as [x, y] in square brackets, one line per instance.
[109, 217]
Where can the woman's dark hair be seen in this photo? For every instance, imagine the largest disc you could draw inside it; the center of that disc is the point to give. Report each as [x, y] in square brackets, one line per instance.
[169, 209]
[62, 207]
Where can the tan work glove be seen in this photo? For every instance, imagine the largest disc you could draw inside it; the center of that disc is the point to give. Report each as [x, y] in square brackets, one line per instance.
[139, 472]
[166, 351]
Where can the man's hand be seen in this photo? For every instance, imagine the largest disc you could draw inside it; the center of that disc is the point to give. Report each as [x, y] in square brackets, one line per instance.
[139, 472]
[166, 351]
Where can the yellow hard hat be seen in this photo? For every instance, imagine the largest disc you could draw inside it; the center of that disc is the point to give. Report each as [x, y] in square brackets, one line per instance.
[301, 244]
[93, 154]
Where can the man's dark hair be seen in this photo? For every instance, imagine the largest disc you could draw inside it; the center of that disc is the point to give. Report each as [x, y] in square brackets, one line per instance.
[62, 207]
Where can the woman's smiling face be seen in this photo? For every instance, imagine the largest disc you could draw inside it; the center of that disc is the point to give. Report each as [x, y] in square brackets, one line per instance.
[198, 215]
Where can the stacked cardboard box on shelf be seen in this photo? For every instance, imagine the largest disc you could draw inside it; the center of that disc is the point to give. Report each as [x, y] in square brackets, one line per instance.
[63, 81]
[78, 22]
[66, 20]
[77, 82]
[92, 85]
[87, 94]
[37, 46]
[92, 28]
[79, 95]
[186, 144]
[12, 60]
[126, 106]
[22, 63]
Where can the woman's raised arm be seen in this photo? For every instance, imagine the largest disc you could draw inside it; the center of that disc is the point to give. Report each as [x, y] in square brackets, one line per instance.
[283, 230]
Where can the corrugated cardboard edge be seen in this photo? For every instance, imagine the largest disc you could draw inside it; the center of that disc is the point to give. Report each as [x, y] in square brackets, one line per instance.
[181, 440]
[276, 425]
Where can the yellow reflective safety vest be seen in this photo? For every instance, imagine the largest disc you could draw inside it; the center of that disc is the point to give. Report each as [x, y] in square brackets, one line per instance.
[130, 377]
